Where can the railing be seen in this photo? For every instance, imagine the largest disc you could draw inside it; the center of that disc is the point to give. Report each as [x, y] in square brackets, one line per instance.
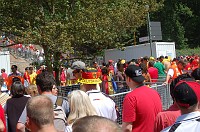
[65, 90]
[27, 54]
[163, 90]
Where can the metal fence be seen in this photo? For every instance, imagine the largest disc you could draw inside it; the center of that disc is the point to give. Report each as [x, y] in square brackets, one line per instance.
[65, 90]
[163, 90]
[28, 55]
[118, 98]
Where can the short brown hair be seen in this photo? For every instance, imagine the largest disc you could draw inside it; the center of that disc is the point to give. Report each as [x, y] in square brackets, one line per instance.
[45, 81]
[40, 110]
[89, 123]
[182, 62]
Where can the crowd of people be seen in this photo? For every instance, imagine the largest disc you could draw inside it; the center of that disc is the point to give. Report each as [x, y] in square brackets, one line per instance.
[153, 69]
[31, 102]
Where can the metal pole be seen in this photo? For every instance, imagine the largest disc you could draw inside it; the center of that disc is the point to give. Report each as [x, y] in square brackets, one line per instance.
[149, 31]
[134, 39]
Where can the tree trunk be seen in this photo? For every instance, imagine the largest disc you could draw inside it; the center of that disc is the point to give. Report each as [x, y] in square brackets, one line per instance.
[48, 58]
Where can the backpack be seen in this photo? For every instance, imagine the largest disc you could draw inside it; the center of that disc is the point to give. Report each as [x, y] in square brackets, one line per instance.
[59, 115]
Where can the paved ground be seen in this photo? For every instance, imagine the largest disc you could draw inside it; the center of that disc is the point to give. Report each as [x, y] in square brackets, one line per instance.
[20, 62]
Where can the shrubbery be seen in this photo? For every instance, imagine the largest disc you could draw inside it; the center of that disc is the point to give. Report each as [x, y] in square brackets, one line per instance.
[188, 51]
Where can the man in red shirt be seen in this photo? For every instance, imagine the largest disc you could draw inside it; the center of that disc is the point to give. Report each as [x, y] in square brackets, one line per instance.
[26, 75]
[141, 105]
[96, 66]
[168, 117]
[3, 74]
[153, 72]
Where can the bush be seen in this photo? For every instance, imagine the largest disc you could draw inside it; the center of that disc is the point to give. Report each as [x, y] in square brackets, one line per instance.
[188, 51]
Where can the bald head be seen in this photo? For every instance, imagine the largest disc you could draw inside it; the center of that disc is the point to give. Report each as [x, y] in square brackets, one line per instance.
[40, 110]
[95, 124]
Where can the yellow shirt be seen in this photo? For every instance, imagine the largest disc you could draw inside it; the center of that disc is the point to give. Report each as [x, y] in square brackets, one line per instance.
[33, 78]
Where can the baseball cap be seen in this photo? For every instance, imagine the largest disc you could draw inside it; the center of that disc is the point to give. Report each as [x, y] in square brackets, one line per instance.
[122, 61]
[135, 73]
[184, 77]
[78, 65]
[187, 93]
[151, 58]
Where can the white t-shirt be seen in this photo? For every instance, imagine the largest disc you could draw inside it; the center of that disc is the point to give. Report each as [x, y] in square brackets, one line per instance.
[170, 72]
[104, 106]
[186, 123]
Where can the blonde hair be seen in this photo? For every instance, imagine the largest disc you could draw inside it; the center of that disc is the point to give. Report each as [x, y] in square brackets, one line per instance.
[80, 106]
[32, 90]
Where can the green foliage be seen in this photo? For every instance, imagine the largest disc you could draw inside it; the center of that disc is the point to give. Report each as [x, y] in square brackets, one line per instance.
[87, 27]
[98, 25]
[188, 51]
[180, 19]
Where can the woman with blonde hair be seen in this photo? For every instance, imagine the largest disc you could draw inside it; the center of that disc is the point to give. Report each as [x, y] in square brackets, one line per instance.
[80, 106]
[32, 90]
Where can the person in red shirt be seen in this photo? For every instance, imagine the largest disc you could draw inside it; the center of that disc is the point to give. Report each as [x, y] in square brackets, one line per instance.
[104, 78]
[194, 64]
[111, 67]
[62, 77]
[2, 120]
[26, 75]
[168, 117]
[153, 72]
[96, 66]
[3, 74]
[141, 105]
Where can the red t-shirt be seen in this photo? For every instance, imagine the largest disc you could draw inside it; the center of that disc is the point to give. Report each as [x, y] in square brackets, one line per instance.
[188, 66]
[4, 75]
[141, 107]
[153, 73]
[27, 77]
[166, 118]
[111, 68]
[62, 76]
[105, 83]
[2, 117]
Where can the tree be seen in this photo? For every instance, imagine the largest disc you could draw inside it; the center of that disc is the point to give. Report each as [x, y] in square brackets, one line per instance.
[38, 22]
[85, 26]
[179, 19]
[103, 24]
[191, 24]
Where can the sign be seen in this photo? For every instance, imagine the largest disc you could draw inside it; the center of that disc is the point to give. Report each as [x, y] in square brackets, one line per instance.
[156, 33]
[144, 39]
